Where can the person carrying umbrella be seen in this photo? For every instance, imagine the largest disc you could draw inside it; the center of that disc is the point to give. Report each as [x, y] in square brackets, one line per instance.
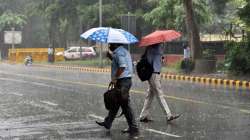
[154, 56]
[121, 73]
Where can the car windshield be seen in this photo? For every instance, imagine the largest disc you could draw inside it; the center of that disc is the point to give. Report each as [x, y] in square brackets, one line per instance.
[73, 50]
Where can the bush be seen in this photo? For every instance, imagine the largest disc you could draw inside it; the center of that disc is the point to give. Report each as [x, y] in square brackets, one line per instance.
[238, 57]
[220, 66]
[172, 68]
[178, 65]
[186, 65]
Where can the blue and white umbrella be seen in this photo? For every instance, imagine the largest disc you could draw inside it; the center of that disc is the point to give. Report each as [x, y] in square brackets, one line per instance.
[109, 35]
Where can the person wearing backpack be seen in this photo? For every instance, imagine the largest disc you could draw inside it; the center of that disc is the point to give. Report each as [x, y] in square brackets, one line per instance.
[154, 57]
[121, 74]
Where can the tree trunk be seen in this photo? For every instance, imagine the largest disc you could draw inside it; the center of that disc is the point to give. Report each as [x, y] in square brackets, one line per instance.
[63, 40]
[27, 35]
[193, 31]
[52, 32]
[248, 39]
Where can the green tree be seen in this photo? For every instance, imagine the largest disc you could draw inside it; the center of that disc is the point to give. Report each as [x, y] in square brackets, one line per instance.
[244, 14]
[237, 55]
[171, 14]
[60, 15]
[193, 30]
[112, 11]
[163, 15]
[9, 20]
[11, 14]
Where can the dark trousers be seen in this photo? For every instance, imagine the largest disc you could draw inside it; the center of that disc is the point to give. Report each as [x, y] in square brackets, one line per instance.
[123, 86]
[51, 58]
[187, 66]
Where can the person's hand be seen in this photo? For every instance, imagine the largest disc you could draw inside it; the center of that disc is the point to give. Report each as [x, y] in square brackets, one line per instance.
[114, 81]
[110, 85]
[109, 54]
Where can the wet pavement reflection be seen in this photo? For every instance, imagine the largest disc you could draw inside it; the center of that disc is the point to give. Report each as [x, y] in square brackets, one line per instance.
[41, 103]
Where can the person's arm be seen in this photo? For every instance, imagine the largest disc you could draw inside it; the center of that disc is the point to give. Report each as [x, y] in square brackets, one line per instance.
[122, 63]
[119, 71]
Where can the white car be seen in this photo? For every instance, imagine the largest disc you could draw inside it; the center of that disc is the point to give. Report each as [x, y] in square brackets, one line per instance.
[74, 53]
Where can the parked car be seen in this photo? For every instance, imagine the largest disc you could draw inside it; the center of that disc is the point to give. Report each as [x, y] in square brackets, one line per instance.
[74, 53]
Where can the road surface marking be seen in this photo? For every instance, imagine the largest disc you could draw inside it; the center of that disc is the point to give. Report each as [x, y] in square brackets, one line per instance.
[49, 103]
[163, 133]
[48, 108]
[13, 80]
[15, 93]
[40, 84]
[25, 126]
[96, 117]
[133, 91]
[35, 83]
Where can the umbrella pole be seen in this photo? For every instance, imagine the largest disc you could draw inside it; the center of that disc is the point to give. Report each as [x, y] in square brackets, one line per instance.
[100, 25]
[101, 58]
[129, 49]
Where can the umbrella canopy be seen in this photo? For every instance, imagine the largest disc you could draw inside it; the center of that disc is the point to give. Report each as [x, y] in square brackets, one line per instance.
[109, 35]
[159, 36]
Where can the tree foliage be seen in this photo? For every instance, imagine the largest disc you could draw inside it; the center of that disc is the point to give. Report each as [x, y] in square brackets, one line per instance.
[9, 20]
[66, 19]
[244, 14]
[60, 16]
[11, 14]
[170, 14]
[237, 56]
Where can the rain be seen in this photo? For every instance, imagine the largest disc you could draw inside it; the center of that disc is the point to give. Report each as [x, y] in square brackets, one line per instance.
[56, 63]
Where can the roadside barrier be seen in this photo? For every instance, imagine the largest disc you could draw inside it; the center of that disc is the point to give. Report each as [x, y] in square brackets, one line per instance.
[208, 81]
[165, 76]
[38, 54]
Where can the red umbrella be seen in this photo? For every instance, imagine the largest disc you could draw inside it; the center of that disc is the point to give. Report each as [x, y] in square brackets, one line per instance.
[159, 36]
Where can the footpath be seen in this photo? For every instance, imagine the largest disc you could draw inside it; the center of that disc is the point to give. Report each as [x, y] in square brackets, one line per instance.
[204, 79]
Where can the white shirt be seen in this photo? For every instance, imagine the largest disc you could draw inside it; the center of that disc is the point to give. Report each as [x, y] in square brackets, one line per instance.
[187, 53]
[50, 50]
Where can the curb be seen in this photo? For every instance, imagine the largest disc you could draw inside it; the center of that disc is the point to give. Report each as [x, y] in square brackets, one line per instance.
[78, 68]
[165, 76]
[208, 81]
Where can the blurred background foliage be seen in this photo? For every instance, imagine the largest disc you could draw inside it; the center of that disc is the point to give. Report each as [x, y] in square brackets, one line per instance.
[59, 22]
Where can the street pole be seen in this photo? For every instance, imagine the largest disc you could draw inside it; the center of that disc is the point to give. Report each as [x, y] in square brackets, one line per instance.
[13, 44]
[100, 13]
[100, 25]
[129, 30]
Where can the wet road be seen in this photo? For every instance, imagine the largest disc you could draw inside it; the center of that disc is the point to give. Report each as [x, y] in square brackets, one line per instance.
[41, 103]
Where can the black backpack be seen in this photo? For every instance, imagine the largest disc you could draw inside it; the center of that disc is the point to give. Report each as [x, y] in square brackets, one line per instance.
[144, 68]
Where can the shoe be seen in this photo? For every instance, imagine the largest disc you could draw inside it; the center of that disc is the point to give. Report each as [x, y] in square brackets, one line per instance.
[146, 120]
[127, 130]
[173, 117]
[132, 132]
[103, 124]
